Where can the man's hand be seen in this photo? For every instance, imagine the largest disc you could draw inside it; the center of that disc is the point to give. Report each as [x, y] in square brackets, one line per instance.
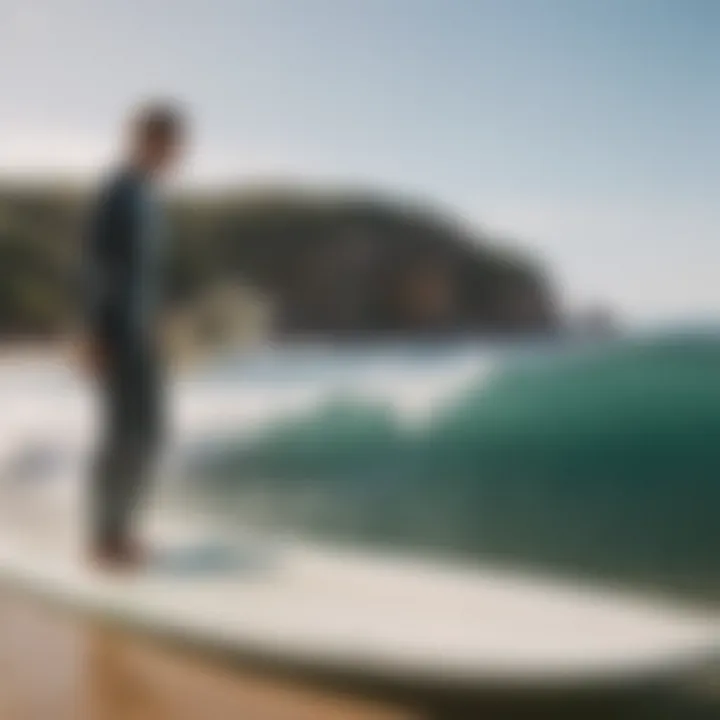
[92, 357]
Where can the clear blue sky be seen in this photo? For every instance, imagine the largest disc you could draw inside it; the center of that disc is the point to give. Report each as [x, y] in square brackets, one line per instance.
[588, 130]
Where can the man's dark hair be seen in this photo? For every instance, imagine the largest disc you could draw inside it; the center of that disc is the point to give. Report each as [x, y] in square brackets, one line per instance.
[159, 121]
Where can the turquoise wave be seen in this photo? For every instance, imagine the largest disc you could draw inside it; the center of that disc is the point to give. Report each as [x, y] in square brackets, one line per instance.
[598, 460]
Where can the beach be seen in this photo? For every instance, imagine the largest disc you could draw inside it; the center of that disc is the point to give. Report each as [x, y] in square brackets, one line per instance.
[55, 665]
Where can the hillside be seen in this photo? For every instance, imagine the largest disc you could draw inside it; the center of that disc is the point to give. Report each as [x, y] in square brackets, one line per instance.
[340, 264]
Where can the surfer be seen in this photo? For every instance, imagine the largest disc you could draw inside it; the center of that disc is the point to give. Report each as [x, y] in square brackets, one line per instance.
[124, 271]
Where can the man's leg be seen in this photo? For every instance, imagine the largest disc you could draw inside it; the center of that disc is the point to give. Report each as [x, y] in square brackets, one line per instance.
[149, 427]
[115, 484]
[127, 458]
[110, 468]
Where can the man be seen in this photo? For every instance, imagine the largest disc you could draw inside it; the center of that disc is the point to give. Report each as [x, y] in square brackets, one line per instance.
[124, 272]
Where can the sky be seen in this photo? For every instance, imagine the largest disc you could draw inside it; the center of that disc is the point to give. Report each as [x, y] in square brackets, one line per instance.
[584, 130]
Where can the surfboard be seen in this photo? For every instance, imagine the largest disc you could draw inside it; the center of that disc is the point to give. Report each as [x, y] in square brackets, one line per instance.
[330, 609]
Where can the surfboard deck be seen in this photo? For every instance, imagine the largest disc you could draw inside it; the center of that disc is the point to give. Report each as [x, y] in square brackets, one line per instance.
[401, 619]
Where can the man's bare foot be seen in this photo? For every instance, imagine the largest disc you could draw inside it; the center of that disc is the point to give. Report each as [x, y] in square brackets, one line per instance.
[107, 560]
[134, 553]
[124, 557]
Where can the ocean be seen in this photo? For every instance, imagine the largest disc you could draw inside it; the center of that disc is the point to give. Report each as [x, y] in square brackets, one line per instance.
[596, 459]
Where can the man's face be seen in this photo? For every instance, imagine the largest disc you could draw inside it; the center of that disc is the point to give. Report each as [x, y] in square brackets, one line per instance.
[163, 154]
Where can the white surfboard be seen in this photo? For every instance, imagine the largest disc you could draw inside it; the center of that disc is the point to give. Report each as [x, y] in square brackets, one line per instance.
[396, 618]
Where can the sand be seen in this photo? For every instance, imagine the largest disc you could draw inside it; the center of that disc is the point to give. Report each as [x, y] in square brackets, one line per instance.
[59, 666]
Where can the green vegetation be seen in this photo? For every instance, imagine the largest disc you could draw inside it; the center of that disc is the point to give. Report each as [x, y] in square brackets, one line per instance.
[331, 264]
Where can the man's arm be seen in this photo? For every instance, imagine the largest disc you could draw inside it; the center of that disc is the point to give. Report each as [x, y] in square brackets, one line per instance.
[110, 270]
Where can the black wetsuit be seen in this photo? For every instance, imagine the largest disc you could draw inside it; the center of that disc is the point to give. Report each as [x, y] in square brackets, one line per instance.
[123, 273]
